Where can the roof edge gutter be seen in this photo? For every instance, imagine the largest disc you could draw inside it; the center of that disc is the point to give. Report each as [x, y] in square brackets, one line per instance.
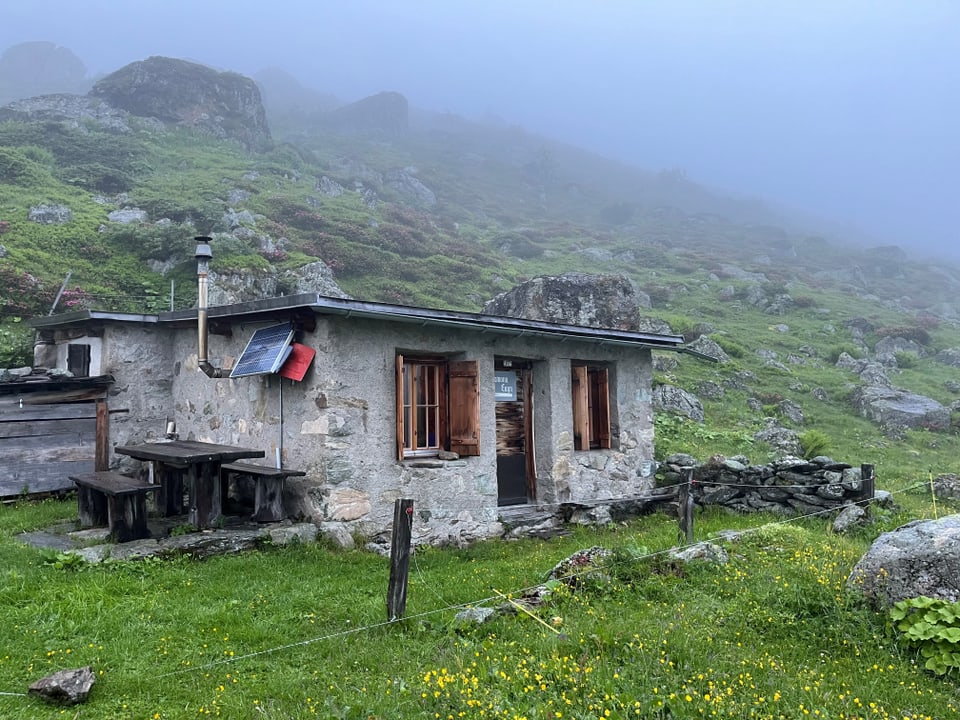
[698, 354]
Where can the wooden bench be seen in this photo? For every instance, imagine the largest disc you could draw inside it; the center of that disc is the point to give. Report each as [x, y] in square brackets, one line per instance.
[118, 501]
[268, 496]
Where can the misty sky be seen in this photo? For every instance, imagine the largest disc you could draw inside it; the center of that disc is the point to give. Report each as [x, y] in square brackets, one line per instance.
[848, 109]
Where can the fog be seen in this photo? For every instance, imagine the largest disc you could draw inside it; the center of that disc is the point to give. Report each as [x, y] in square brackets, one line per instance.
[846, 110]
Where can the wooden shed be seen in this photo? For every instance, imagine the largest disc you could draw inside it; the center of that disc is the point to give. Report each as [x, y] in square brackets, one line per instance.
[51, 428]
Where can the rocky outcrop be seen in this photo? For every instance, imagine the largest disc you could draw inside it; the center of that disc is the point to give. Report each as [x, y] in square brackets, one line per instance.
[919, 558]
[706, 346]
[315, 277]
[603, 301]
[676, 401]
[51, 214]
[385, 112]
[890, 407]
[408, 186]
[649, 324]
[949, 356]
[72, 110]
[783, 440]
[178, 92]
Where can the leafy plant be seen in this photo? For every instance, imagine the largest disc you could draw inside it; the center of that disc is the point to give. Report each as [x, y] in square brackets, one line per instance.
[63, 560]
[932, 626]
[814, 443]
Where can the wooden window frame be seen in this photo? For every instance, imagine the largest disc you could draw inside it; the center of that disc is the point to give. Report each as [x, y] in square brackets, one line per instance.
[78, 359]
[443, 416]
[590, 390]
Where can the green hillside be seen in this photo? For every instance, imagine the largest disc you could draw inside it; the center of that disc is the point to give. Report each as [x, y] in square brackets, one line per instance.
[451, 213]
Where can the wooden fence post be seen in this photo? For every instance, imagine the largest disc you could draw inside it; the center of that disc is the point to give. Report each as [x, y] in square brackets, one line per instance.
[867, 486]
[399, 558]
[685, 506]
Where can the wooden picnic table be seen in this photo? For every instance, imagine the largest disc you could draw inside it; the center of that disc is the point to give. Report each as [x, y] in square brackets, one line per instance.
[192, 462]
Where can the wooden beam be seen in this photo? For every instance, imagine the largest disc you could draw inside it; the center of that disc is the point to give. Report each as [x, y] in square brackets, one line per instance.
[102, 447]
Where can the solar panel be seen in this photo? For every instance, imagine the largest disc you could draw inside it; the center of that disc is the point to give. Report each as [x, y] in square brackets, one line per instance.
[265, 352]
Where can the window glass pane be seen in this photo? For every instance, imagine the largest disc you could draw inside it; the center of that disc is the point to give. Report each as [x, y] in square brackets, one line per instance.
[430, 391]
[422, 396]
[421, 383]
[407, 427]
[421, 427]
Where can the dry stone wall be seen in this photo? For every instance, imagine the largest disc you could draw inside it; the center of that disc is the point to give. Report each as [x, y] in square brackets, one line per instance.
[789, 486]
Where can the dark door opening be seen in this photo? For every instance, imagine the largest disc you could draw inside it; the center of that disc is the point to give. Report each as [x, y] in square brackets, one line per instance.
[516, 482]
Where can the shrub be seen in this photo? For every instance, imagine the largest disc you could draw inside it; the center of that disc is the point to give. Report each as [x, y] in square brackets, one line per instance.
[906, 359]
[814, 443]
[833, 353]
[729, 346]
[16, 343]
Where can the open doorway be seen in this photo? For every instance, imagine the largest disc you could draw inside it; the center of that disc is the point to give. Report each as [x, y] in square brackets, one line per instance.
[516, 467]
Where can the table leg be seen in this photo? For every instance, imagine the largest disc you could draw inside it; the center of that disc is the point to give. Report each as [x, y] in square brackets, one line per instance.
[205, 509]
[170, 494]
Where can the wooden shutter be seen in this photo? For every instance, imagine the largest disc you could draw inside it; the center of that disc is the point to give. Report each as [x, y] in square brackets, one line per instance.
[464, 402]
[580, 386]
[601, 406]
[399, 371]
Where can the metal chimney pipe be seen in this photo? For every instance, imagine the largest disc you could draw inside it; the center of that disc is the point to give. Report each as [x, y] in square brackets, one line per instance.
[203, 255]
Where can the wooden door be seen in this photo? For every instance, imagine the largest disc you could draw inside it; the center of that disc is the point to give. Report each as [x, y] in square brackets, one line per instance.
[515, 480]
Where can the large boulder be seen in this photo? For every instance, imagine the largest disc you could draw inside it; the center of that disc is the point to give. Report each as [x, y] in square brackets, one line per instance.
[919, 558]
[706, 346]
[178, 92]
[895, 408]
[603, 301]
[676, 401]
[888, 348]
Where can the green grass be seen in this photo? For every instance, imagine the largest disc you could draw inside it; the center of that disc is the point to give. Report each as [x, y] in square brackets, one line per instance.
[300, 631]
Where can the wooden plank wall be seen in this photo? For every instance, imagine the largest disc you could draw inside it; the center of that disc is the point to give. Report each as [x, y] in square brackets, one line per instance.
[42, 444]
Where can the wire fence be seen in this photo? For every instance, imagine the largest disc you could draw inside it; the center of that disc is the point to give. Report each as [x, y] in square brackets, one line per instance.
[497, 596]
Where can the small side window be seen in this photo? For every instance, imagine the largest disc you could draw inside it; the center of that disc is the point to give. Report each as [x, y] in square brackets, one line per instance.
[591, 407]
[78, 360]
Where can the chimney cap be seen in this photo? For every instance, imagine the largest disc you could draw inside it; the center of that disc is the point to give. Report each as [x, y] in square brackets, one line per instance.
[203, 248]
